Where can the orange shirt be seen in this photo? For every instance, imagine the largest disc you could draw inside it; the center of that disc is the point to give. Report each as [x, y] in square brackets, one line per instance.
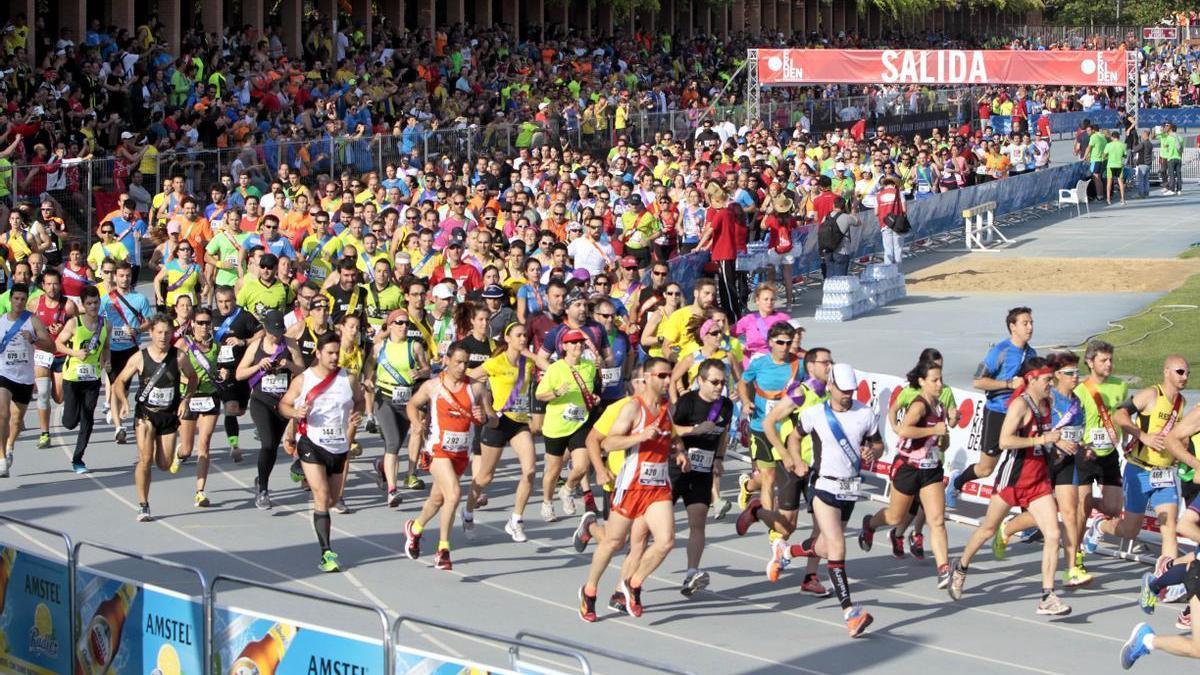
[197, 232]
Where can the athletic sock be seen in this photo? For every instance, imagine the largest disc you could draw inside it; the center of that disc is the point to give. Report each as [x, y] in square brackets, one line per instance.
[417, 527]
[322, 524]
[589, 501]
[841, 585]
[774, 536]
[1148, 642]
[1046, 593]
[444, 544]
[514, 518]
[232, 428]
[1175, 574]
[967, 475]
[468, 515]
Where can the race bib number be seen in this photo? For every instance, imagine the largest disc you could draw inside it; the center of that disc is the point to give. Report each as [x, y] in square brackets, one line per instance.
[847, 489]
[931, 461]
[160, 396]
[225, 355]
[1098, 438]
[575, 413]
[653, 474]
[331, 435]
[86, 372]
[443, 346]
[42, 359]
[702, 460]
[201, 404]
[123, 334]
[768, 407]
[923, 187]
[520, 406]
[16, 357]
[1161, 478]
[1072, 434]
[610, 376]
[232, 261]
[275, 384]
[456, 441]
[637, 239]
[401, 394]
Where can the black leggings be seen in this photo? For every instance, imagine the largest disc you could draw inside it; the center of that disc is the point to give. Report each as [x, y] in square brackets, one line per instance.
[728, 295]
[79, 408]
[393, 423]
[271, 426]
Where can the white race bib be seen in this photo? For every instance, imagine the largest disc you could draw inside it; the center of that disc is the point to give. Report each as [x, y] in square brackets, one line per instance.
[331, 435]
[931, 461]
[637, 239]
[847, 489]
[42, 359]
[1098, 438]
[456, 441]
[200, 404]
[769, 406]
[520, 406]
[1163, 477]
[86, 372]
[610, 376]
[1072, 434]
[123, 334]
[653, 474]
[275, 384]
[702, 460]
[575, 413]
[160, 396]
[16, 357]
[225, 355]
[401, 394]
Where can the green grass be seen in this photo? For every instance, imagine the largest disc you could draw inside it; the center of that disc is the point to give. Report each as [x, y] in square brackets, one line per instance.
[1192, 251]
[1144, 340]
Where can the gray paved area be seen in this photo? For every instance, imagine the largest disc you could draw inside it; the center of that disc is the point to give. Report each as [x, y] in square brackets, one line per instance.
[742, 624]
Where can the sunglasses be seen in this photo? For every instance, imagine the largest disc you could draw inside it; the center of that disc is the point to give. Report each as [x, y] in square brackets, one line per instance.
[714, 333]
[673, 293]
[1181, 371]
[107, 271]
[106, 232]
[661, 376]
[717, 383]
[399, 322]
[1070, 372]
[782, 342]
[202, 323]
[657, 274]
[609, 315]
[184, 249]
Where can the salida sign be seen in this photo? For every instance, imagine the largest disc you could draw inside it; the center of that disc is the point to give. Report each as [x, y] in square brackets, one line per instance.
[941, 66]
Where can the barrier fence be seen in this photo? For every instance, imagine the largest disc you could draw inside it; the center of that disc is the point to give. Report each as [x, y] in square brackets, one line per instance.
[60, 616]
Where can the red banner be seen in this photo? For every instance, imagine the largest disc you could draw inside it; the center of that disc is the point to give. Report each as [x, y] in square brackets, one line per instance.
[942, 66]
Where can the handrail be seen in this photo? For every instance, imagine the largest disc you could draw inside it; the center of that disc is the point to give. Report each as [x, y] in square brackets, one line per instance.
[625, 658]
[514, 644]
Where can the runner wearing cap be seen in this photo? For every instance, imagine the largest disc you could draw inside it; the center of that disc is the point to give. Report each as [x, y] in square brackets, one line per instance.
[440, 322]
[127, 314]
[567, 388]
[639, 228]
[1104, 432]
[161, 369]
[642, 429]
[465, 275]
[268, 366]
[500, 315]
[845, 433]
[763, 386]
[998, 375]
[201, 350]
[327, 404]
[401, 364]
[1024, 480]
[344, 293]
[265, 292]
[233, 327]
[456, 406]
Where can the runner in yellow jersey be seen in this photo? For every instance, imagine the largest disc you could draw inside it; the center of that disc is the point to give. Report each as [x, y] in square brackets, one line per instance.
[401, 364]
[84, 341]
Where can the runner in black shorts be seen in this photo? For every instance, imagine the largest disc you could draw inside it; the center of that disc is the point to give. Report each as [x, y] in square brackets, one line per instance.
[20, 333]
[233, 327]
[702, 419]
[200, 417]
[160, 368]
[399, 364]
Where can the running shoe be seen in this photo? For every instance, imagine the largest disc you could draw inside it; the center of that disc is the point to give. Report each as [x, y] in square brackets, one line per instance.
[297, 471]
[468, 525]
[79, 468]
[441, 559]
[1184, 620]
[340, 506]
[424, 459]
[548, 512]
[587, 606]
[747, 517]
[235, 452]
[951, 491]
[394, 498]
[694, 583]
[866, 535]
[616, 603]
[897, 544]
[999, 544]
[958, 580]
[779, 559]
[414, 483]
[380, 477]
[743, 491]
[143, 515]
[1174, 593]
[1147, 599]
[633, 598]
[1052, 606]
[372, 427]
[202, 499]
[262, 501]
[1079, 559]
[1135, 647]
[1092, 536]
[721, 508]
[857, 621]
[798, 551]
[482, 501]
[943, 577]
[568, 500]
[1076, 577]
[5, 462]
[583, 533]
[1032, 535]
[176, 463]
[916, 544]
[813, 586]
[329, 562]
[516, 530]
[44, 440]
[119, 435]
[412, 541]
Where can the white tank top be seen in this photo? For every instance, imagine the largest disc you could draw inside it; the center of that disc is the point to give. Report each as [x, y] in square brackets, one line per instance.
[16, 363]
[329, 413]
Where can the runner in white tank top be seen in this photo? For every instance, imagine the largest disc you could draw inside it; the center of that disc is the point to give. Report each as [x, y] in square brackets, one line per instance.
[20, 335]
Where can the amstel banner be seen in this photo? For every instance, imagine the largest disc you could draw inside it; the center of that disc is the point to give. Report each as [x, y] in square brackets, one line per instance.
[941, 66]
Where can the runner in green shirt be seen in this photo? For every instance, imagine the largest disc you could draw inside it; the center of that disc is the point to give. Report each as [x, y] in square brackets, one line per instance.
[226, 250]
[1114, 156]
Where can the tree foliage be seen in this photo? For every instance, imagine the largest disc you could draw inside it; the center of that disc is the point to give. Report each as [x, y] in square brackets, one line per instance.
[1104, 12]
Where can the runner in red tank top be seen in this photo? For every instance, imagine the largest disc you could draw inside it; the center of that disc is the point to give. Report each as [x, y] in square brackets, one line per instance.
[53, 309]
[643, 489]
[1024, 480]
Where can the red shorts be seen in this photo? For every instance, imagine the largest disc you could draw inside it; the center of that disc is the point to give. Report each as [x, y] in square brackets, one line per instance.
[1024, 495]
[459, 460]
[633, 503]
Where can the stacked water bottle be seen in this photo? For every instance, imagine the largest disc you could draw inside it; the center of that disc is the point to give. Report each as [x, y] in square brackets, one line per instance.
[844, 298]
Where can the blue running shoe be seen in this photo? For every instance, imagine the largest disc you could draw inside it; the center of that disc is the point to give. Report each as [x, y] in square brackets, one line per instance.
[1135, 647]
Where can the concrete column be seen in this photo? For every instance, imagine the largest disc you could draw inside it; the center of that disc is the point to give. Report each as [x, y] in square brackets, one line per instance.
[737, 16]
[72, 14]
[29, 9]
[427, 17]
[769, 21]
[122, 14]
[510, 13]
[827, 21]
[393, 11]
[839, 16]
[783, 17]
[253, 14]
[851, 20]
[669, 11]
[604, 20]
[214, 17]
[291, 14]
[360, 14]
[754, 17]
[168, 13]
[718, 20]
[456, 11]
[796, 9]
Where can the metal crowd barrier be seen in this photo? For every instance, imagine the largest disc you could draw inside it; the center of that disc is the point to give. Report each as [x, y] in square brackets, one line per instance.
[527, 635]
[514, 644]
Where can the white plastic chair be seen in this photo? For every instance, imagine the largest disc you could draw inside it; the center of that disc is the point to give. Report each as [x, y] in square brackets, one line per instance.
[1076, 195]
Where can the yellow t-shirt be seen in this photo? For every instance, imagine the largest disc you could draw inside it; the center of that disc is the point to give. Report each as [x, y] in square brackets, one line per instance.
[603, 425]
[673, 329]
[502, 377]
[567, 413]
[149, 162]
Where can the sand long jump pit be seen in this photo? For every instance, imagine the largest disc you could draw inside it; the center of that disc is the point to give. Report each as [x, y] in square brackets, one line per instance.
[983, 273]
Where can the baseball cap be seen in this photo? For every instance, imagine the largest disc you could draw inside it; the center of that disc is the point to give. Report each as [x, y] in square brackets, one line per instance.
[840, 166]
[125, 135]
[454, 243]
[844, 377]
[581, 274]
[268, 260]
[573, 335]
[573, 297]
[493, 291]
[172, 228]
[272, 322]
[635, 201]
[629, 262]
[442, 291]
[403, 258]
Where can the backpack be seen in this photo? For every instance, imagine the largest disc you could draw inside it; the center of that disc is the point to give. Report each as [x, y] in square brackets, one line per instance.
[829, 235]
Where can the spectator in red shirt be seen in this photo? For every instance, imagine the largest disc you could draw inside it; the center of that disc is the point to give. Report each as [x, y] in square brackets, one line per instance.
[723, 240]
[822, 204]
[453, 267]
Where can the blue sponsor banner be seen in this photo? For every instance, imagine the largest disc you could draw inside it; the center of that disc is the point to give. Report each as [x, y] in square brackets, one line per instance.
[35, 614]
[249, 642]
[172, 633]
[1108, 118]
[416, 661]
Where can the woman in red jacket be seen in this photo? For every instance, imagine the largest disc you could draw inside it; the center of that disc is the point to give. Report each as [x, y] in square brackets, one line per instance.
[724, 246]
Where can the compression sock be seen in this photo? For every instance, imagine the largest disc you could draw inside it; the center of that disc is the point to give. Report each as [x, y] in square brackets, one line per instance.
[967, 475]
[841, 585]
[589, 501]
[232, 429]
[1175, 574]
[322, 524]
